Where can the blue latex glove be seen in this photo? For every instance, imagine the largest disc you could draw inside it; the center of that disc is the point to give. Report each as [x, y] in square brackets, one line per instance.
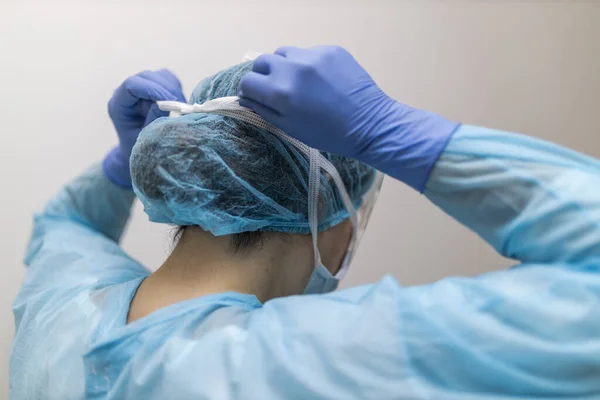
[131, 108]
[324, 98]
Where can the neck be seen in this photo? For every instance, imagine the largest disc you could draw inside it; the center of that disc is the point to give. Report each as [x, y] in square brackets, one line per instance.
[203, 264]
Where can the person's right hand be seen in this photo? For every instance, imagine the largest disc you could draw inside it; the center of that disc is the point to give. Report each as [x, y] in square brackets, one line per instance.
[319, 95]
[324, 98]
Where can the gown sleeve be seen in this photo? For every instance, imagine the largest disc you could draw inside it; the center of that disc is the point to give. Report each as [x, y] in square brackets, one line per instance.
[74, 245]
[533, 201]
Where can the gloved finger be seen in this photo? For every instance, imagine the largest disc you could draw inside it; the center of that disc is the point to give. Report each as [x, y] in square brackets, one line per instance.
[125, 99]
[166, 79]
[260, 89]
[175, 84]
[143, 107]
[136, 88]
[286, 51]
[265, 63]
[324, 47]
[267, 113]
[170, 77]
[157, 77]
[154, 113]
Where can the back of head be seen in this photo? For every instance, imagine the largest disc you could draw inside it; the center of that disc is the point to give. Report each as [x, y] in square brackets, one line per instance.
[229, 177]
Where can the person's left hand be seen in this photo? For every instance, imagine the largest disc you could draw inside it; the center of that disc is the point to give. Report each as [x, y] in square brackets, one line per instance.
[131, 108]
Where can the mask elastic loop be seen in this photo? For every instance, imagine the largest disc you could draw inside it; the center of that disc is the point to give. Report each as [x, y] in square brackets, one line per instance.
[314, 181]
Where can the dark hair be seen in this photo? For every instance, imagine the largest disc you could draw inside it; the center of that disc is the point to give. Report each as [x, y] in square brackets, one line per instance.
[240, 243]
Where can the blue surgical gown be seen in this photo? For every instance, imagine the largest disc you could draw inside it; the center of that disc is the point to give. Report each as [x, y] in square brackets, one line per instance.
[532, 331]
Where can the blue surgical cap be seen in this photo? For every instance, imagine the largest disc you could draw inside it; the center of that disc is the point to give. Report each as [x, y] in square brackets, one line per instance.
[227, 176]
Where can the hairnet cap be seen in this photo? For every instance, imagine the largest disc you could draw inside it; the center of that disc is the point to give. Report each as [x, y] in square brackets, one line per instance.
[227, 176]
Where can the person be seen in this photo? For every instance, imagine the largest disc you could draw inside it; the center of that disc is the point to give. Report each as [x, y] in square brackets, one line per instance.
[224, 318]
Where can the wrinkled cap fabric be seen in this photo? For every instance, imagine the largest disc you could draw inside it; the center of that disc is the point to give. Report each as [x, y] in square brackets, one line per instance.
[227, 176]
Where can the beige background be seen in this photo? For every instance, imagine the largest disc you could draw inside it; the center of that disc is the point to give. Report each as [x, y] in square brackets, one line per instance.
[517, 65]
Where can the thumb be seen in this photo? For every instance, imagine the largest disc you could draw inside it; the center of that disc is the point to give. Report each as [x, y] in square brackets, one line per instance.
[154, 113]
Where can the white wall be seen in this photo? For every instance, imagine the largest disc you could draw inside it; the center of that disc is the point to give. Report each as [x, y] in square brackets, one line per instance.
[516, 65]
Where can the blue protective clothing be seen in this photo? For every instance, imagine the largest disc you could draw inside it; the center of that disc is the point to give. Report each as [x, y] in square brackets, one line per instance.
[529, 332]
[131, 108]
[324, 98]
[228, 176]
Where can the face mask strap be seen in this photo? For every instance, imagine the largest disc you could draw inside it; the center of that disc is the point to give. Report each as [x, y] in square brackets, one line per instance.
[314, 177]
